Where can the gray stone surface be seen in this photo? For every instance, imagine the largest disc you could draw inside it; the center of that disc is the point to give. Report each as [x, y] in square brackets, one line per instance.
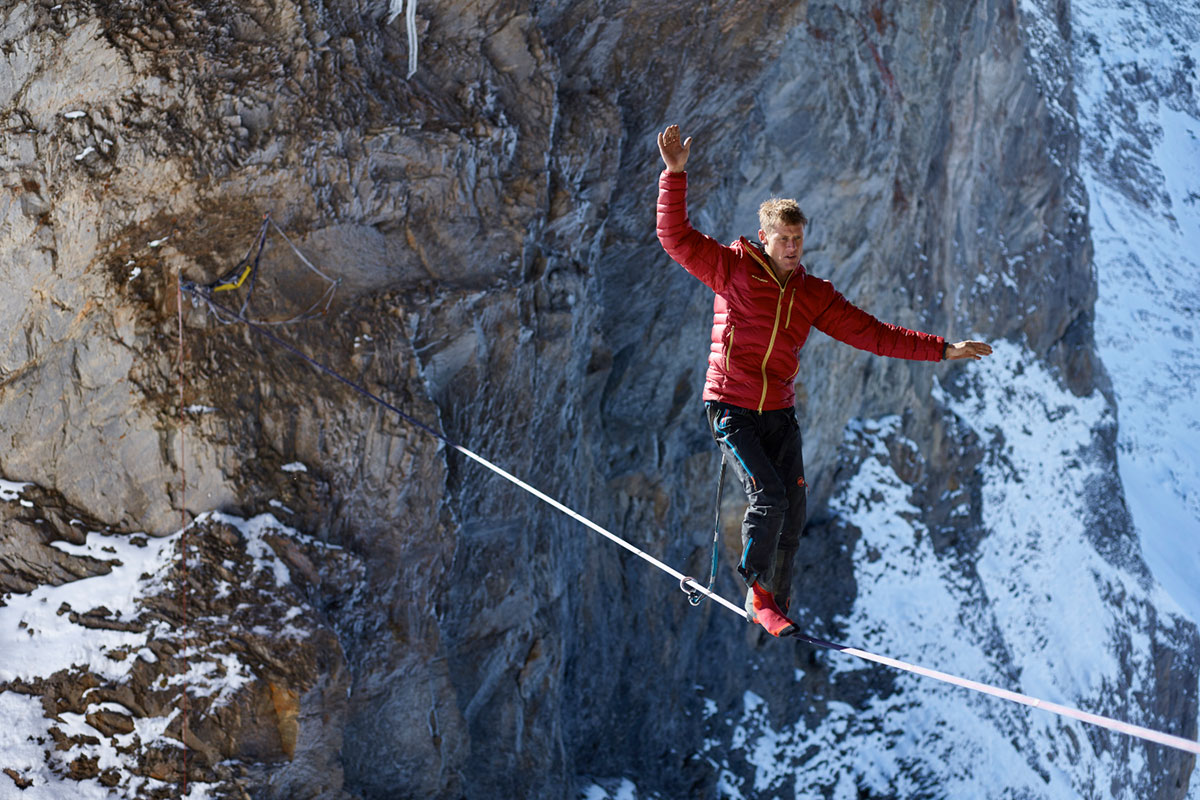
[492, 221]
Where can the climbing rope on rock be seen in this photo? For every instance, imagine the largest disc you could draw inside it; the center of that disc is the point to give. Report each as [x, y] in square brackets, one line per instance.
[245, 273]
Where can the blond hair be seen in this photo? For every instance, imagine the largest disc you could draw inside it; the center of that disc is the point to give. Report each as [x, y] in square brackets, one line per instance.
[780, 211]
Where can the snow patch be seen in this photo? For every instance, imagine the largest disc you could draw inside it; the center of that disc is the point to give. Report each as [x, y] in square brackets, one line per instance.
[38, 639]
[11, 490]
[612, 789]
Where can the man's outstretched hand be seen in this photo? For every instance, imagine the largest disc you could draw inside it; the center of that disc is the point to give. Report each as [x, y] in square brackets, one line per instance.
[975, 350]
[674, 154]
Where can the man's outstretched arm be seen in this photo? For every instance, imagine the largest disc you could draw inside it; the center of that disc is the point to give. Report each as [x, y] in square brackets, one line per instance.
[848, 323]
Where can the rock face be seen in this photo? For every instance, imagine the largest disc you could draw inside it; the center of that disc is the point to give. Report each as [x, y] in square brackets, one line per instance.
[491, 223]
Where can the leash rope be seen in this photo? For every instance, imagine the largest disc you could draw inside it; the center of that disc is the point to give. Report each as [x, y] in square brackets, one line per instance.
[694, 597]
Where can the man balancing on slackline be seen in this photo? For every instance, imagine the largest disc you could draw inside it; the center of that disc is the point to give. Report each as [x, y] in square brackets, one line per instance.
[765, 304]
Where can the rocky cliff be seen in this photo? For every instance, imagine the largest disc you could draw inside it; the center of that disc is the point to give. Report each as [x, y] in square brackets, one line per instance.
[374, 616]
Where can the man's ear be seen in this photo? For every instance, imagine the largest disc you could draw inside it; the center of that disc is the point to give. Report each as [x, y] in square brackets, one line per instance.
[762, 236]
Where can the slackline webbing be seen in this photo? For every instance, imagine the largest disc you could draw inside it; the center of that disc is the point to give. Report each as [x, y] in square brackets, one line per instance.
[691, 586]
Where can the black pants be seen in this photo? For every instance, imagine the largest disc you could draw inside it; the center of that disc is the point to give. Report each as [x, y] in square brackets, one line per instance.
[765, 452]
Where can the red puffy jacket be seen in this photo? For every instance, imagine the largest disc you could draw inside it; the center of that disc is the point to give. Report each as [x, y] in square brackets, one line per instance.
[760, 323]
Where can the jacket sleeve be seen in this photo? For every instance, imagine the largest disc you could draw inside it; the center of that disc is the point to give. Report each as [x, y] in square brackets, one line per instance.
[702, 256]
[848, 323]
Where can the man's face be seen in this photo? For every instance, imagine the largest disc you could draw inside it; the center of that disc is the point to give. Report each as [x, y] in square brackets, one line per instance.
[785, 246]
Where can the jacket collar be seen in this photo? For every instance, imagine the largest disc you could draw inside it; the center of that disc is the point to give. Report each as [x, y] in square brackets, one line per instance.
[763, 260]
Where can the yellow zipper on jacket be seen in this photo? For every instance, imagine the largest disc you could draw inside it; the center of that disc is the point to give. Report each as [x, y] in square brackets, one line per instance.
[728, 348]
[762, 400]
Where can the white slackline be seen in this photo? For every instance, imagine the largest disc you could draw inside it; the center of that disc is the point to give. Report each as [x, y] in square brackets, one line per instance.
[685, 581]
[1066, 711]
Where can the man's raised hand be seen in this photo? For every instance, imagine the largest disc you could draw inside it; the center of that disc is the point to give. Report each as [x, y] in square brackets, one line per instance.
[974, 350]
[674, 154]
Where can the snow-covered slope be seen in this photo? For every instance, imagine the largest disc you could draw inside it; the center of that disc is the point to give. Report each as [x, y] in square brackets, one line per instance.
[1136, 73]
[1136, 76]
[101, 652]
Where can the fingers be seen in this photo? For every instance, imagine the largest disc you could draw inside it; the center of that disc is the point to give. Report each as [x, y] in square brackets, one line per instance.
[674, 154]
[979, 349]
[969, 349]
[670, 136]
